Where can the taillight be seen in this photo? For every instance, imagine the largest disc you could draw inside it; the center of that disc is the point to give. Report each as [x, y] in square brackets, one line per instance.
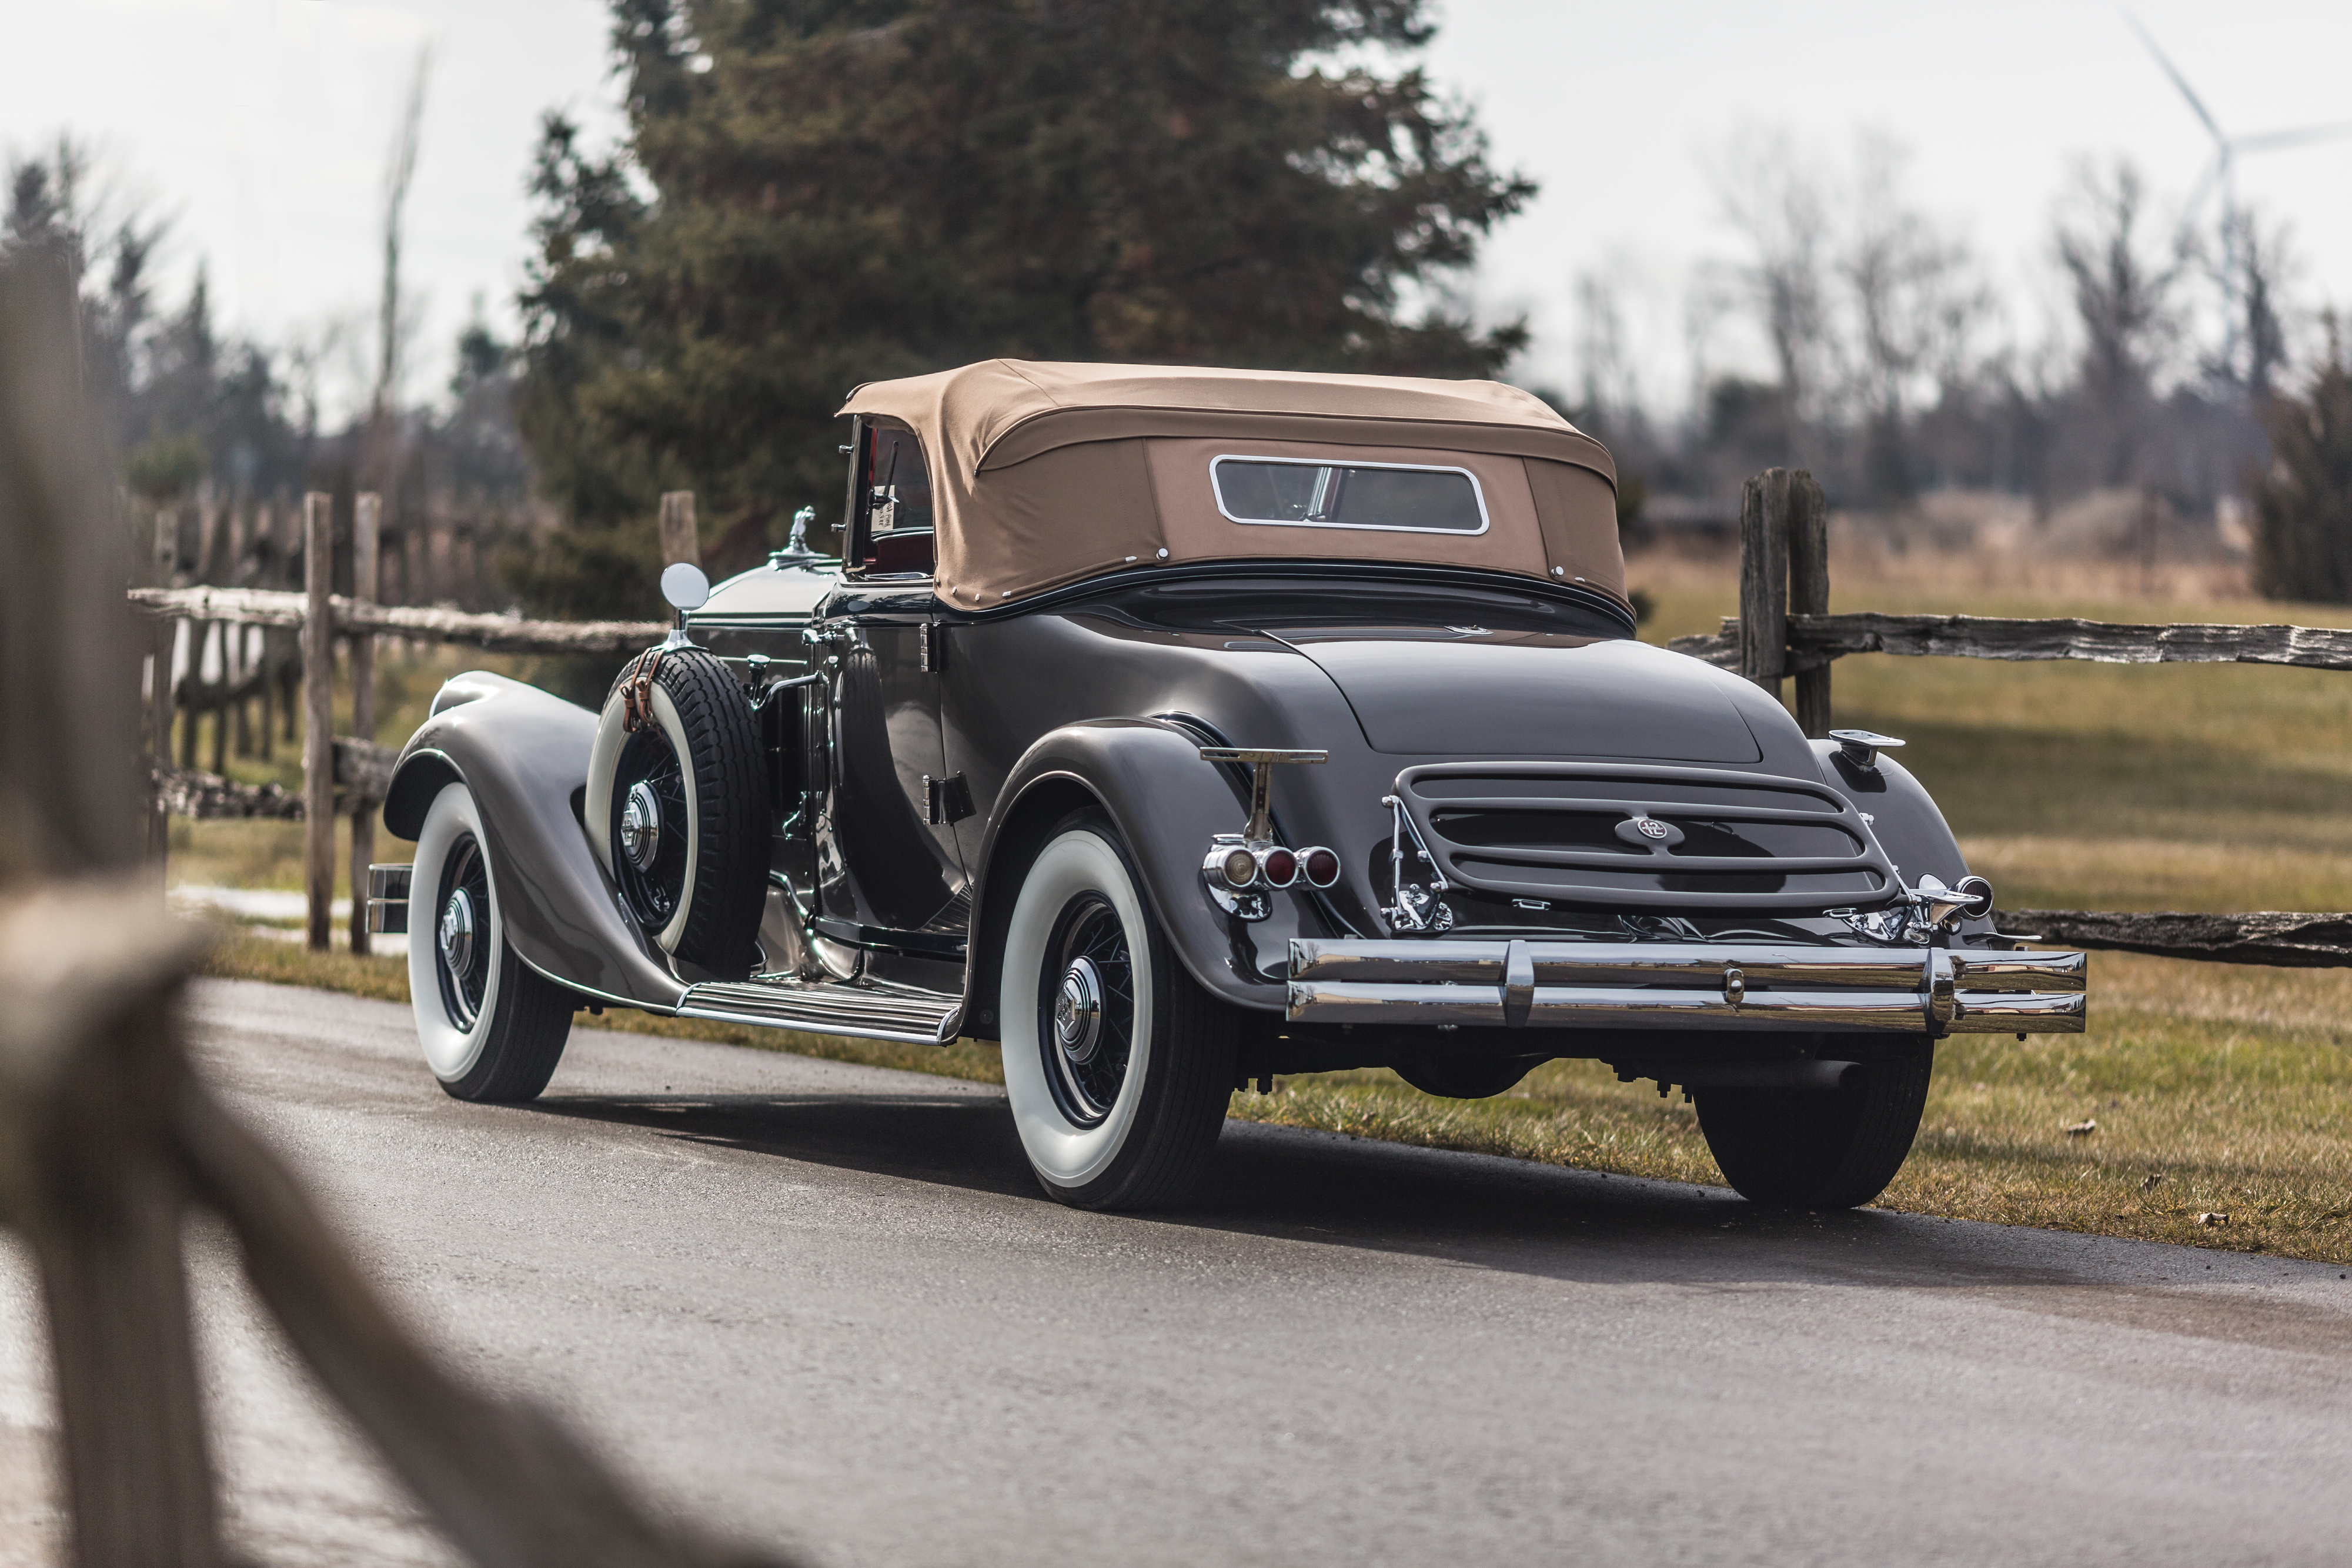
[1239, 868]
[1321, 867]
[1278, 866]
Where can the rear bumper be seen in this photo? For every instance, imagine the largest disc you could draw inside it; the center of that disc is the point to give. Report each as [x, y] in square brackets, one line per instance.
[1634, 986]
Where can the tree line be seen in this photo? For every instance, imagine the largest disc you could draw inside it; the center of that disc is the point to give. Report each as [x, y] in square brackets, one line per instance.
[2175, 365]
[811, 194]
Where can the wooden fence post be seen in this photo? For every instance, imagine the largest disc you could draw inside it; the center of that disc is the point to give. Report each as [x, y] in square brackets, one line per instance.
[318, 714]
[367, 524]
[1808, 590]
[1764, 579]
[83, 1177]
[678, 538]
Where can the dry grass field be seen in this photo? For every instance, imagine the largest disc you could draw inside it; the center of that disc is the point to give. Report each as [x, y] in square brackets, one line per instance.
[2215, 1089]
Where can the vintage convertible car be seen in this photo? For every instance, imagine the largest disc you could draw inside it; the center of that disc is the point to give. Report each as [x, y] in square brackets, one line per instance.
[1176, 728]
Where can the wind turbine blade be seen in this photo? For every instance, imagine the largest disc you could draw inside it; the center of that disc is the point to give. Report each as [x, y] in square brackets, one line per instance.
[2179, 80]
[2271, 140]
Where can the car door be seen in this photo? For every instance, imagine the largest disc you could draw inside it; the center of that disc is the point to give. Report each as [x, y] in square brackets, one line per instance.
[889, 865]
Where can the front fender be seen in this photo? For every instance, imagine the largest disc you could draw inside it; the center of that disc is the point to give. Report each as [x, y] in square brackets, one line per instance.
[1148, 779]
[524, 755]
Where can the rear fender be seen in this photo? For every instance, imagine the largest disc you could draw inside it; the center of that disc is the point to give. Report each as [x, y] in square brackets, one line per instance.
[524, 755]
[1148, 779]
[1908, 822]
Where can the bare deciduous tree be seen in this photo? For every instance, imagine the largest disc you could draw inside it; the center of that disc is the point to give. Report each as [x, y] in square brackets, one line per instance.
[1780, 206]
[2124, 289]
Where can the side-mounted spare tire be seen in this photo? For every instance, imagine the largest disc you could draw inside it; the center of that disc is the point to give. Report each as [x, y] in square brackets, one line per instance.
[676, 807]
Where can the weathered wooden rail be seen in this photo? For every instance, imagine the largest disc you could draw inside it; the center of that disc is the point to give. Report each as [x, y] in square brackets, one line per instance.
[110, 1135]
[350, 617]
[1811, 640]
[342, 775]
[1784, 629]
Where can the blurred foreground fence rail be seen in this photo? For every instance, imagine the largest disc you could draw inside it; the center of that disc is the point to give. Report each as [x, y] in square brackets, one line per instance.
[109, 1133]
[1784, 629]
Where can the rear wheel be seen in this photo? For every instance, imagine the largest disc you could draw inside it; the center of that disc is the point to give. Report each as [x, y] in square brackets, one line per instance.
[491, 1027]
[1118, 1064]
[1794, 1148]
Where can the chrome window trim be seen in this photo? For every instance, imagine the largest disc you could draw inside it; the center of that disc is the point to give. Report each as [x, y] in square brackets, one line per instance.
[1477, 494]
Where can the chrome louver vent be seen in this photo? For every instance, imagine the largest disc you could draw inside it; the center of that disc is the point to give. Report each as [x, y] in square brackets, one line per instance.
[1631, 836]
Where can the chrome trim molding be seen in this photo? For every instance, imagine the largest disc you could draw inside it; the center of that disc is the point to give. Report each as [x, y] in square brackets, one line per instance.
[1731, 986]
[1635, 793]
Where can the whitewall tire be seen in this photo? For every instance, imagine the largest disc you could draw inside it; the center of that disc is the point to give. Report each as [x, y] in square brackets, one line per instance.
[490, 1027]
[1118, 1065]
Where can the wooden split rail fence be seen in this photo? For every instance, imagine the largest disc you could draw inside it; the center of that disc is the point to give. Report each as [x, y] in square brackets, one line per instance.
[1784, 630]
[342, 775]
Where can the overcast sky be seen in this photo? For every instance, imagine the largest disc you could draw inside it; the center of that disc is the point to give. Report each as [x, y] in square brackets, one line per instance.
[262, 126]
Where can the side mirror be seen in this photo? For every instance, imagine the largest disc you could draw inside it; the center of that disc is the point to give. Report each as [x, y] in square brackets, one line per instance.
[683, 584]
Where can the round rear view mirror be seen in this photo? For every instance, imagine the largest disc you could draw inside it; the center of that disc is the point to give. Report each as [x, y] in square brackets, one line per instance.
[683, 584]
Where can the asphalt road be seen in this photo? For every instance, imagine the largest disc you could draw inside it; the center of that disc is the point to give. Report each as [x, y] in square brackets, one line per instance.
[822, 1305]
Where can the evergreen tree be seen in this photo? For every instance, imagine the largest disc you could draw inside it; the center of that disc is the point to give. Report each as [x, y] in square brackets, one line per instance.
[2302, 505]
[838, 190]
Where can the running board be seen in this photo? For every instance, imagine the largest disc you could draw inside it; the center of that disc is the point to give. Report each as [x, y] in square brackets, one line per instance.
[862, 1009]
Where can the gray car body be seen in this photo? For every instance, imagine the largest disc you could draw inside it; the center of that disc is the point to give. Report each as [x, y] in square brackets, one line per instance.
[1082, 701]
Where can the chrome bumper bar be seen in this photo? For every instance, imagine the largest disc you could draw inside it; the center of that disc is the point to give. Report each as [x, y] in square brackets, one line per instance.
[1661, 985]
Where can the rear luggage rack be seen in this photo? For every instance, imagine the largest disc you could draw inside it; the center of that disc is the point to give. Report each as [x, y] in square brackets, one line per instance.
[1640, 837]
[1673, 985]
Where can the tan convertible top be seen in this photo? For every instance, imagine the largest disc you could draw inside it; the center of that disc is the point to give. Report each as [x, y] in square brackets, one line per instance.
[1043, 474]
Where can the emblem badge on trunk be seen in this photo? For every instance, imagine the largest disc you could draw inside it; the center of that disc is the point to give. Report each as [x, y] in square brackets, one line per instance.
[1645, 833]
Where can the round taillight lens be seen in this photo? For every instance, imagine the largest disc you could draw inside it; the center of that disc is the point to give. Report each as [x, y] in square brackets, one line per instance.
[1240, 868]
[1280, 866]
[1321, 866]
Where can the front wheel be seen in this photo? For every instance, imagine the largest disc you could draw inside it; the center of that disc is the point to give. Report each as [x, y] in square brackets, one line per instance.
[1798, 1148]
[1118, 1064]
[491, 1027]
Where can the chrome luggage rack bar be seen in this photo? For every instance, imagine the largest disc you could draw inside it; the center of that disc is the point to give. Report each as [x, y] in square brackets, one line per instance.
[1675, 984]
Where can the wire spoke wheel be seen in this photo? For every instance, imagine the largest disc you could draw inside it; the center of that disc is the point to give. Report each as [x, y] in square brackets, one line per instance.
[650, 827]
[461, 934]
[679, 801]
[1086, 1009]
[490, 1027]
[1118, 1064]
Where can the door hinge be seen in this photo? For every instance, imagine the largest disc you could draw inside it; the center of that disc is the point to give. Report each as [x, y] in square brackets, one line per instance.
[945, 800]
[930, 647]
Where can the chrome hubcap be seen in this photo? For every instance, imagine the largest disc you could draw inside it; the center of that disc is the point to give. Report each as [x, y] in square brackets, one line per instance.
[641, 826]
[456, 937]
[1078, 1011]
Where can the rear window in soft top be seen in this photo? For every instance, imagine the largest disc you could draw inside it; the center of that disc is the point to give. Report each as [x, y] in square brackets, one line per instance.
[1292, 492]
